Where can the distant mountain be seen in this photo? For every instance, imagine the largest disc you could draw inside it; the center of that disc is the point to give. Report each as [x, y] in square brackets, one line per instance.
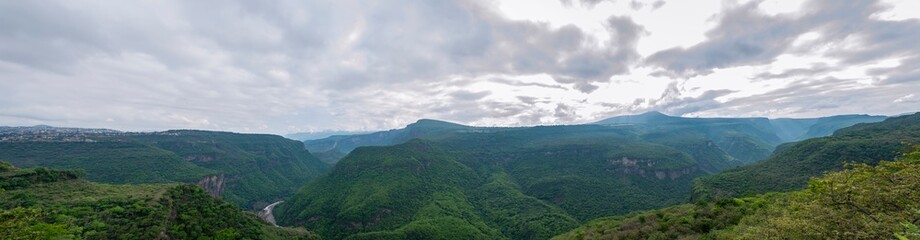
[794, 164]
[250, 170]
[304, 136]
[517, 183]
[645, 118]
[861, 202]
[39, 203]
[786, 129]
[483, 180]
[768, 133]
[333, 148]
[791, 129]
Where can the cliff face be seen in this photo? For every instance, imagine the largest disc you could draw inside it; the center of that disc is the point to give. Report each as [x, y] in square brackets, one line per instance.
[645, 168]
[213, 185]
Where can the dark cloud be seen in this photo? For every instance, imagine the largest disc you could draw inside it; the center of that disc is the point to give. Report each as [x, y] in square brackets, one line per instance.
[469, 96]
[358, 65]
[820, 97]
[907, 71]
[797, 72]
[527, 100]
[565, 113]
[673, 102]
[266, 60]
[746, 35]
[518, 83]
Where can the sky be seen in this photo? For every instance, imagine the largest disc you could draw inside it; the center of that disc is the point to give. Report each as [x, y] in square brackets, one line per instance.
[305, 66]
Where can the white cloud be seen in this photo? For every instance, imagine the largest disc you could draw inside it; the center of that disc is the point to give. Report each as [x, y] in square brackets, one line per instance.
[909, 98]
[355, 65]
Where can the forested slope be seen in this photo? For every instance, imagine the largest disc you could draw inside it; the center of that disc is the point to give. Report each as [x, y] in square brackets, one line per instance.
[792, 166]
[249, 170]
[39, 203]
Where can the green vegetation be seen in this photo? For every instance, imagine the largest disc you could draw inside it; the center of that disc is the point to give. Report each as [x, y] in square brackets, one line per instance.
[249, 170]
[109, 161]
[793, 165]
[255, 169]
[334, 148]
[51, 204]
[860, 202]
[523, 183]
[790, 129]
[438, 180]
[407, 190]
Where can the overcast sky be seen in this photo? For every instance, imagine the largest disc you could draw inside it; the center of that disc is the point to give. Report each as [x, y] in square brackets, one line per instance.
[300, 66]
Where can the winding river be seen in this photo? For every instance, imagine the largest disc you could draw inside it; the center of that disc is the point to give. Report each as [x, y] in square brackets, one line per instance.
[266, 213]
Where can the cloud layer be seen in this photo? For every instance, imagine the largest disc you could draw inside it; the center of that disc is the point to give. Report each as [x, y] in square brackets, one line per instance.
[294, 66]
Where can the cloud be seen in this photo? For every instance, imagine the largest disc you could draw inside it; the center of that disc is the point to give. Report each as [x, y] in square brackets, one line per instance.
[819, 97]
[909, 98]
[518, 83]
[357, 65]
[469, 96]
[797, 72]
[254, 62]
[746, 35]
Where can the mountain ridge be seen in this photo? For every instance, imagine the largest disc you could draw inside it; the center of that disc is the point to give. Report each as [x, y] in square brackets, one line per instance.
[250, 170]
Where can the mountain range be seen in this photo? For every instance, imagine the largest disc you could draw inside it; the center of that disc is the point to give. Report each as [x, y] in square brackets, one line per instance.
[250, 170]
[524, 182]
[622, 177]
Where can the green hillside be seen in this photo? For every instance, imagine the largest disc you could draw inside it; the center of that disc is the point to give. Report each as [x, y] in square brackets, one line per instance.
[517, 183]
[253, 169]
[39, 203]
[334, 148]
[745, 139]
[797, 129]
[861, 202]
[106, 161]
[792, 166]
[250, 170]
[390, 193]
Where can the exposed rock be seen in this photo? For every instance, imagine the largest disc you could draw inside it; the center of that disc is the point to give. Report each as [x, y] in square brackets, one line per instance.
[213, 185]
[635, 167]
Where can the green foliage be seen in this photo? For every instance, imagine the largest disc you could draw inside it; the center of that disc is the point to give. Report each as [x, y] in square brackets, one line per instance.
[792, 166]
[526, 183]
[688, 221]
[55, 207]
[334, 148]
[15, 179]
[257, 168]
[109, 161]
[517, 215]
[251, 170]
[860, 202]
[380, 189]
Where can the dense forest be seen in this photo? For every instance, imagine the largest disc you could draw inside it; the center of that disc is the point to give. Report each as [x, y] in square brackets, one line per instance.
[39, 203]
[521, 183]
[439, 180]
[792, 165]
[860, 202]
[837, 187]
[249, 170]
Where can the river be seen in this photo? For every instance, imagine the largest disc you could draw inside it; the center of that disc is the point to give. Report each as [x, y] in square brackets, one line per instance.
[266, 213]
